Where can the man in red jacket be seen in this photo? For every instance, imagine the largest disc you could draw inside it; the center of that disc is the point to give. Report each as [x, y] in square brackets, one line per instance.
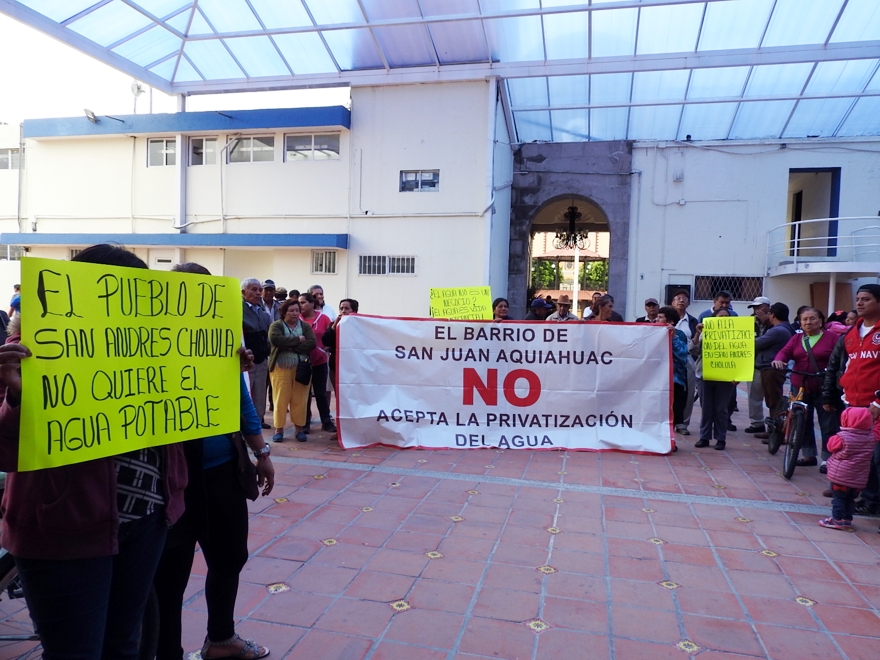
[861, 381]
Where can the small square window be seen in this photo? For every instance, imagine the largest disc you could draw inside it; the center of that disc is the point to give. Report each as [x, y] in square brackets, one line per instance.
[312, 147]
[10, 159]
[371, 265]
[299, 147]
[382, 265]
[203, 151]
[419, 180]
[324, 261]
[326, 147]
[162, 153]
[252, 149]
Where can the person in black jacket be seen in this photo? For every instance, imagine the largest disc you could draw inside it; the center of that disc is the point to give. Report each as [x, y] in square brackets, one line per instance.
[256, 322]
[831, 389]
[766, 348]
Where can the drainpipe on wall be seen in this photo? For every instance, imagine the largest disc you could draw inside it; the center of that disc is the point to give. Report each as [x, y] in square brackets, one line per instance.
[180, 146]
[832, 293]
[20, 175]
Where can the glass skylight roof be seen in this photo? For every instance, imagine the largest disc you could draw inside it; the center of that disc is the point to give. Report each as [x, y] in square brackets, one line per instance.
[572, 70]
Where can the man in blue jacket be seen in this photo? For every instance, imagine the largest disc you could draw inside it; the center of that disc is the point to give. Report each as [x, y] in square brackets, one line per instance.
[766, 348]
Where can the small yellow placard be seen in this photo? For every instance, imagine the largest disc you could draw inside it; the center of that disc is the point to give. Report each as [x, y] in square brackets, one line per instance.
[464, 303]
[124, 358]
[728, 348]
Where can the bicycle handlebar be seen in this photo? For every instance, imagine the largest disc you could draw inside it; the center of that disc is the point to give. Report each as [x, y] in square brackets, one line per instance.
[805, 373]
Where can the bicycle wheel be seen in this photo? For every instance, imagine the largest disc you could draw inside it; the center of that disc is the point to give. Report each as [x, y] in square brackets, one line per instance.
[149, 641]
[794, 437]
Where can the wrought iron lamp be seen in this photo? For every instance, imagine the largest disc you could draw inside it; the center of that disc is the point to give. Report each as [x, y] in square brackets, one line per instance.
[572, 237]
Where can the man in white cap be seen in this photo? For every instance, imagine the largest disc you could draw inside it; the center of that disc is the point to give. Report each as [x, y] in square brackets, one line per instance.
[759, 306]
[652, 311]
[563, 310]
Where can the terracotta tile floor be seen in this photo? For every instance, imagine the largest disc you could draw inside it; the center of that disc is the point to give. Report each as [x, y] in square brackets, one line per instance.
[386, 554]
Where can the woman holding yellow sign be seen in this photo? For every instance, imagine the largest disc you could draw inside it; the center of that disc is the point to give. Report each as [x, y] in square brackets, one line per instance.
[714, 395]
[86, 537]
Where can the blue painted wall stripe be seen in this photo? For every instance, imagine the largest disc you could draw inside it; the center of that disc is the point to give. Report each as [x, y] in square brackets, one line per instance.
[231, 121]
[339, 241]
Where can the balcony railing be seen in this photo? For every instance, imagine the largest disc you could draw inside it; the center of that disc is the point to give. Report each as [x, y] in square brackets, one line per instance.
[825, 245]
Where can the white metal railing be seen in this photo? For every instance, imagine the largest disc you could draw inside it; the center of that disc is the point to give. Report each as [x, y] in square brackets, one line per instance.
[823, 240]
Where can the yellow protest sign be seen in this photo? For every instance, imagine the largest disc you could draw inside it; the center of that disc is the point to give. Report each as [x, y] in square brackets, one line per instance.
[467, 303]
[728, 348]
[124, 358]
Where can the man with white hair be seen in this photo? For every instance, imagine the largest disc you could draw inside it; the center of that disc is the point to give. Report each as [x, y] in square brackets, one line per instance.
[255, 325]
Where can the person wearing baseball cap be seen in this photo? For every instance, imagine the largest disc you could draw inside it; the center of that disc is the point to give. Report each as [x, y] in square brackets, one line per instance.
[760, 306]
[538, 310]
[272, 306]
[652, 311]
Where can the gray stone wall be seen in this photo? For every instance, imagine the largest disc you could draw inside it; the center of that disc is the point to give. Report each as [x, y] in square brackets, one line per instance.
[599, 171]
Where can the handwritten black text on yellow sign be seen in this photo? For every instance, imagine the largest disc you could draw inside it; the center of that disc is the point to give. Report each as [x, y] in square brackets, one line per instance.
[728, 348]
[124, 359]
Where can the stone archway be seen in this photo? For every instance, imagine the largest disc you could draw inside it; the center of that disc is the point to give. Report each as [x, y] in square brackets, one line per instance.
[551, 174]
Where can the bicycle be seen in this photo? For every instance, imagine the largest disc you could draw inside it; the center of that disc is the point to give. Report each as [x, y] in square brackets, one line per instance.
[789, 425]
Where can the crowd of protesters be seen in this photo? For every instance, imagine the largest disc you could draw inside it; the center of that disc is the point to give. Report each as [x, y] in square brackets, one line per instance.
[91, 539]
[842, 352]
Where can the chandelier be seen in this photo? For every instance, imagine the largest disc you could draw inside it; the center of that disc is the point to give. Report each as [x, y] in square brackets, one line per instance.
[572, 237]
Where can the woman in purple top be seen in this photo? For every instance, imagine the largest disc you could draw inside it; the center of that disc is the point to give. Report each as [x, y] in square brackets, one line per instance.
[820, 343]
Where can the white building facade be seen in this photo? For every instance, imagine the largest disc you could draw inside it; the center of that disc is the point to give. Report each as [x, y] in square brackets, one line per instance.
[406, 191]
[419, 186]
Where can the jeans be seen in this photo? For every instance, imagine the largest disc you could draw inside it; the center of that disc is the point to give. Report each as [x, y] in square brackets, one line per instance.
[85, 609]
[843, 502]
[216, 517]
[871, 493]
[756, 400]
[259, 377]
[772, 381]
[715, 401]
[679, 398]
[691, 391]
[319, 391]
[829, 424]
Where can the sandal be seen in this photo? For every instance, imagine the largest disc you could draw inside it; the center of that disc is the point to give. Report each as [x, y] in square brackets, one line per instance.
[249, 650]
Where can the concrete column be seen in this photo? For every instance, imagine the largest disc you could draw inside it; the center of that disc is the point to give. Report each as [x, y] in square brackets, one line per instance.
[832, 293]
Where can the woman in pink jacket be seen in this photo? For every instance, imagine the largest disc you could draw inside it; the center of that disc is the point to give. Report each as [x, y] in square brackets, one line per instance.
[819, 343]
[852, 450]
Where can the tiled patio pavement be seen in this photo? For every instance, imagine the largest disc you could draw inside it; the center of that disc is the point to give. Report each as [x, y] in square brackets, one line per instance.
[387, 554]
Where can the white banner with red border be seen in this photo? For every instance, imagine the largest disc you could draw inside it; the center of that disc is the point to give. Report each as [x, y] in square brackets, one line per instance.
[439, 384]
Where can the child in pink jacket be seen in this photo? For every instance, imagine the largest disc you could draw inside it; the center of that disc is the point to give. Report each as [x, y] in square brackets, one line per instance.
[851, 450]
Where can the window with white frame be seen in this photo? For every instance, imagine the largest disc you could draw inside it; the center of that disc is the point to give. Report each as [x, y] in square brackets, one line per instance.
[252, 149]
[161, 153]
[12, 252]
[10, 159]
[419, 180]
[311, 147]
[386, 265]
[73, 252]
[202, 151]
[324, 261]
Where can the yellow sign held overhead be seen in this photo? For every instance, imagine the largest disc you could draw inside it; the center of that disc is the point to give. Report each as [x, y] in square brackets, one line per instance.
[728, 348]
[464, 303]
[123, 359]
